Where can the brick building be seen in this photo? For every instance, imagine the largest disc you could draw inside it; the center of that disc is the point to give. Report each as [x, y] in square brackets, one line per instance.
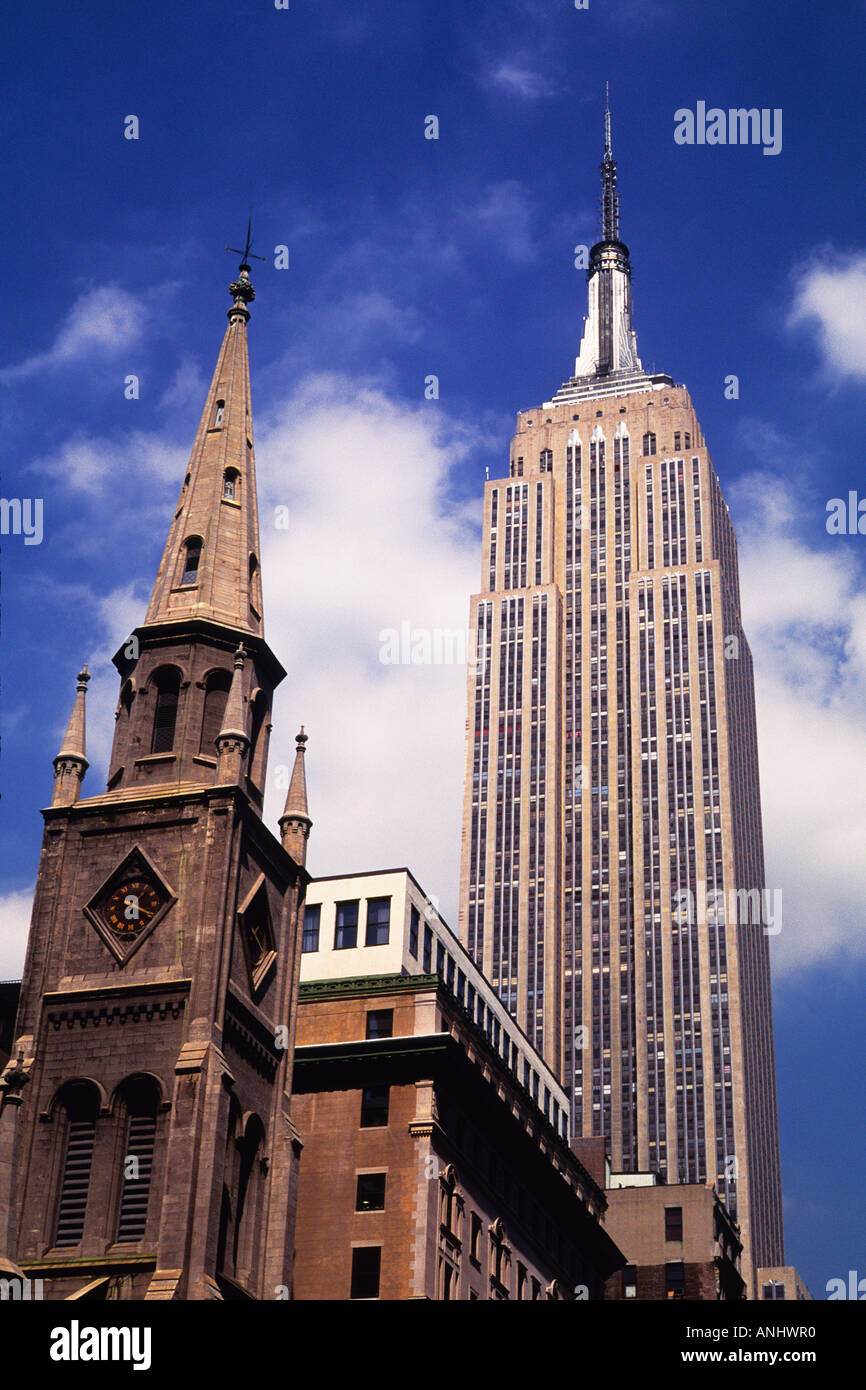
[146, 1142]
[436, 1161]
[680, 1241]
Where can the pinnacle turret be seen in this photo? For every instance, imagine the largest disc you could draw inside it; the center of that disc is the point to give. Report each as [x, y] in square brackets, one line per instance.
[295, 821]
[71, 762]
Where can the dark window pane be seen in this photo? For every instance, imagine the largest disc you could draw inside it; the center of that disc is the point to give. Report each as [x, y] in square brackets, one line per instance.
[366, 1264]
[312, 918]
[673, 1223]
[347, 926]
[380, 1023]
[374, 1107]
[378, 921]
[414, 921]
[427, 962]
[371, 1192]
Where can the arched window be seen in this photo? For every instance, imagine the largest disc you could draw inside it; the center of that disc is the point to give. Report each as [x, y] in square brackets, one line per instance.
[220, 412]
[191, 557]
[140, 1098]
[79, 1101]
[231, 485]
[166, 686]
[216, 693]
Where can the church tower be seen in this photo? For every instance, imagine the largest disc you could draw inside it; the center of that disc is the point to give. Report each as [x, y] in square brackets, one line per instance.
[146, 1144]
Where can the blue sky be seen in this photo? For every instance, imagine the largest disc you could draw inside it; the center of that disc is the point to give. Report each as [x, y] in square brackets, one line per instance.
[455, 257]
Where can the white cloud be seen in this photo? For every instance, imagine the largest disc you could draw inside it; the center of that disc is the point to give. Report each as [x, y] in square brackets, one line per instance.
[96, 464]
[516, 77]
[374, 539]
[808, 637]
[15, 909]
[503, 215]
[101, 322]
[830, 296]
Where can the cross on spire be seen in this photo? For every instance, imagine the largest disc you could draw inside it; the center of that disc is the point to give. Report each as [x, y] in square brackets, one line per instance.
[246, 253]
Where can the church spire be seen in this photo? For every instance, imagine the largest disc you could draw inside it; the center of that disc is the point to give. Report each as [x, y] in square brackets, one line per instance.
[71, 762]
[210, 566]
[295, 822]
[180, 681]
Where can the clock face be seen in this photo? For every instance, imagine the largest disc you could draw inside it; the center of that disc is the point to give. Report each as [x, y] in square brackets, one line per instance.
[131, 905]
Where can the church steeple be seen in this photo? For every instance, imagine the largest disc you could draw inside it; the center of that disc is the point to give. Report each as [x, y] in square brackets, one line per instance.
[210, 565]
[178, 669]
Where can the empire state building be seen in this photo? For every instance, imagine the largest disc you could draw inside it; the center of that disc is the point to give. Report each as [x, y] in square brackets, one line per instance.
[612, 869]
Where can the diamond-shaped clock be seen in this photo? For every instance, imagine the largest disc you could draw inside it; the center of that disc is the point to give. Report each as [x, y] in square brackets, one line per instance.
[129, 904]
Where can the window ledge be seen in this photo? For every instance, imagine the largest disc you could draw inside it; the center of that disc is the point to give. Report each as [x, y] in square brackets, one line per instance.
[155, 758]
[204, 760]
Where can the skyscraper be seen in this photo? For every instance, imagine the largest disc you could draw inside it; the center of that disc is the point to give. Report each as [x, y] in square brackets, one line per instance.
[612, 865]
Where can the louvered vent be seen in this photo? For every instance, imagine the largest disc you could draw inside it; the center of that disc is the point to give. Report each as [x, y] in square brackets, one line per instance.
[132, 1220]
[76, 1181]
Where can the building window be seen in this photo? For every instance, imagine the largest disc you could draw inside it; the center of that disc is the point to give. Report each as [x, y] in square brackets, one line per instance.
[380, 1023]
[676, 442]
[366, 1267]
[374, 1107]
[447, 1281]
[688, 440]
[220, 412]
[81, 1106]
[675, 1279]
[166, 684]
[231, 484]
[440, 960]
[378, 921]
[773, 1290]
[370, 1194]
[427, 962]
[347, 926]
[312, 922]
[649, 444]
[216, 694]
[629, 1282]
[673, 1223]
[475, 1238]
[141, 1102]
[191, 557]
[414, 923]
[521, 1280]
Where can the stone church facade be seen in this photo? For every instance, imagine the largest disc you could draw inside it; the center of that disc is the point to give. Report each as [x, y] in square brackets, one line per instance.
[147, 1149]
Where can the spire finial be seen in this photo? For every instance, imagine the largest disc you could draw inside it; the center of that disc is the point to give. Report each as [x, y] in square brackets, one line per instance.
[241, 289]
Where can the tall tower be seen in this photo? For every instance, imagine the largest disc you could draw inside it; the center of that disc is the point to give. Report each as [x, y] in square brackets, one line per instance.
[146, 1142]
[612, 861]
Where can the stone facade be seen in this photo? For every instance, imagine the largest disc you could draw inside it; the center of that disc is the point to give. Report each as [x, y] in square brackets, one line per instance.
[147, 1148]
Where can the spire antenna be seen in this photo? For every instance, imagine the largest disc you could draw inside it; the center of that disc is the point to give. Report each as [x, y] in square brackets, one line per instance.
[607, 146]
